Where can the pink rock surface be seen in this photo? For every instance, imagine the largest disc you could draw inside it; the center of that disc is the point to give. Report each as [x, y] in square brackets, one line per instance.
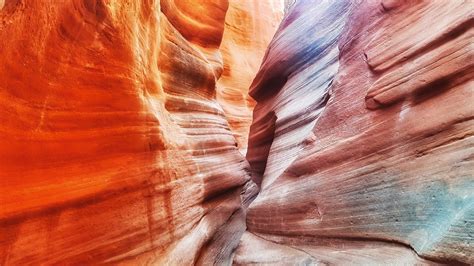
[385, 173]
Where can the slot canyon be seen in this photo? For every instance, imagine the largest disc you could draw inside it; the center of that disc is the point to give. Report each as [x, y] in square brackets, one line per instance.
[237, 132]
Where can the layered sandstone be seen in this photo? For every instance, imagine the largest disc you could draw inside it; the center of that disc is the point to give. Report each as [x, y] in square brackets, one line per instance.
[123, 126]
[249, 28]
[113, 145]
[362, 138]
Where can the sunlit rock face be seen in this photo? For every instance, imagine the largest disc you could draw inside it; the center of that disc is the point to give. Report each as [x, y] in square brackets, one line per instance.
[113, 146]
[250, 25]
[362, 139]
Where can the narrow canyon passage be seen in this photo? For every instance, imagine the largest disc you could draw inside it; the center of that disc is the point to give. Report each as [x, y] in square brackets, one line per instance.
[219, 132]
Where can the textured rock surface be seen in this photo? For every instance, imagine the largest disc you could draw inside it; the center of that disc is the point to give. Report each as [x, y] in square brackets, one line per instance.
[302, 71]
[249, 28]
[377, 167]
[123, 124]
[113, 147]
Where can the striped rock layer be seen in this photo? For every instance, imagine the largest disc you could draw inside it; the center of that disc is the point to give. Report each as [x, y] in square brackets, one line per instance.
[114, 147]
[362, 139]
[138, 132]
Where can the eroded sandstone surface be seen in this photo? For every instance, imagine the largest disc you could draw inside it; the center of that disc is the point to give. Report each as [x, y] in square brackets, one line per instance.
[139, 132]
[249, 28]
[362, 139]
[113, 145]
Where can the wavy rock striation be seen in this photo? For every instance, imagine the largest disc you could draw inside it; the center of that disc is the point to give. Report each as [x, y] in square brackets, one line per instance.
[123, 126]
[287, 74]
[113, 146]
[377, 166]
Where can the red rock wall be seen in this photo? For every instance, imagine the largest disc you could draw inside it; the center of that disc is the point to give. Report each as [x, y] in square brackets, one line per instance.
[113, 147]
[385, 175]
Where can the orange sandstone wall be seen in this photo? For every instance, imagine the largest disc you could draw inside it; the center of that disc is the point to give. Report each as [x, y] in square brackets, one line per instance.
[113, 147]
[249, 28]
